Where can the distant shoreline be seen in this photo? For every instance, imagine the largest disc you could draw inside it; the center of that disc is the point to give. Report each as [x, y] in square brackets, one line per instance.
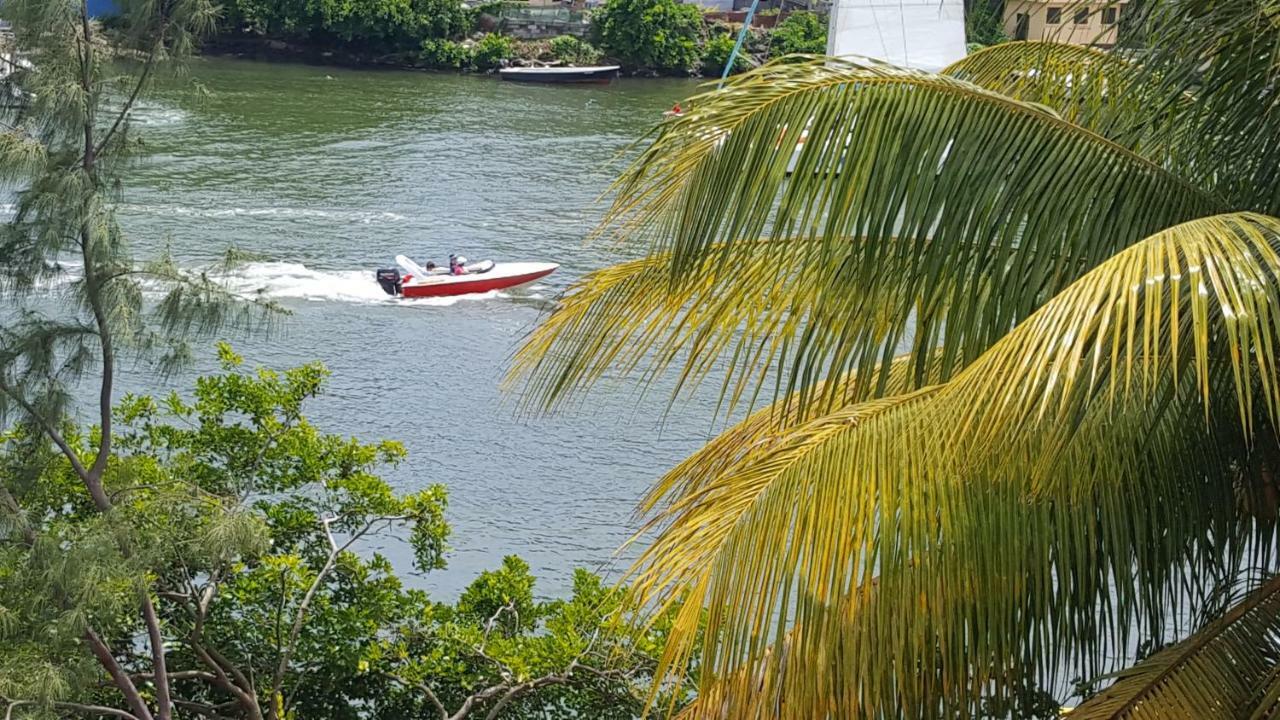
[264, 49]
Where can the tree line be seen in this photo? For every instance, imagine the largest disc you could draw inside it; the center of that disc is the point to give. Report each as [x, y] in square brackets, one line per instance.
[657, 36]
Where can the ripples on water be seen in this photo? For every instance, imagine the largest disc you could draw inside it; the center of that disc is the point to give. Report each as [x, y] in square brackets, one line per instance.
[330, 173]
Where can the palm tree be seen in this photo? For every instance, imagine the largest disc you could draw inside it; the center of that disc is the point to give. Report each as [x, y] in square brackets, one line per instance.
[1013, 334]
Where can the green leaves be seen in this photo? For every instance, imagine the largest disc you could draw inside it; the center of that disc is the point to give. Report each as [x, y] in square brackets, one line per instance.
[379, 25]
[1078, 481]
[800, 32]
[1227, 669]
[917, 203]
[661, 35]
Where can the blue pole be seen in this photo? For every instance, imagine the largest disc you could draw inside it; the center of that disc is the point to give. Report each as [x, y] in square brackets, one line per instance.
[742, 35]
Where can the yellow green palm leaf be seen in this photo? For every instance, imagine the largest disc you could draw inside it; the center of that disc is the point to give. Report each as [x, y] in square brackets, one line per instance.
[995, 514]
[1228, 669]
[918, 202]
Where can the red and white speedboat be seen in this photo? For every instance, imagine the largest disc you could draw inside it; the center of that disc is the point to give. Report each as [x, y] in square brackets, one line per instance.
[417, 282]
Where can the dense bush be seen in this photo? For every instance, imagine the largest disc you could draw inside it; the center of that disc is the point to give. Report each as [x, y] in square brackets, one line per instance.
[379, 25]
[491, 50]
[444, 55]
[661, 35]
[715, 55]
[801, 32]
[574, 51]
[984, 23]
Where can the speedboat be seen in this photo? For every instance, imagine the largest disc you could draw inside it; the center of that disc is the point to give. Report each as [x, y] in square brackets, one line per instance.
[411, 280]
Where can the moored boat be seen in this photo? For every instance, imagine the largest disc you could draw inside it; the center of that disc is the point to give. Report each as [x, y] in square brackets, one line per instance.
[480, 277]
[589, 74]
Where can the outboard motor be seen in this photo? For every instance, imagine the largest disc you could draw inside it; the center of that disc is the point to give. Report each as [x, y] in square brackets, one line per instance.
[389, 279]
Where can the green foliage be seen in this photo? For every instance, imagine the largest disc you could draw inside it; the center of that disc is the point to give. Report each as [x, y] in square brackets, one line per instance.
[503, 597]
[444, 54]
[799, 32]
[660, 35]
[242, 519]
[1079, 454]
[492, 50]
[374, 25]
[984, 24]
[715, 55]
[574, 51]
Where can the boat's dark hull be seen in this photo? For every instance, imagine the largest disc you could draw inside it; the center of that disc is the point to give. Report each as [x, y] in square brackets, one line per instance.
[600, 77]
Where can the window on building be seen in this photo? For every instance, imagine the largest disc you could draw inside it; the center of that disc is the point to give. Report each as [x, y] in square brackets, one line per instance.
[1054, 16]
[1109, 16]
[1082, 16]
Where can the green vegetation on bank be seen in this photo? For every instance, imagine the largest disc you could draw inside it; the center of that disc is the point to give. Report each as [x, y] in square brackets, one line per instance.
[651, 36]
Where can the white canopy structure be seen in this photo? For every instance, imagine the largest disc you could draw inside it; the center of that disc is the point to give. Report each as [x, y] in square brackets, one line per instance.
[921, 34]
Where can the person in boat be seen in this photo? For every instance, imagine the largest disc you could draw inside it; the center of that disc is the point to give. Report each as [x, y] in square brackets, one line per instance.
[430, 266]
[457, 265]
[675, 109]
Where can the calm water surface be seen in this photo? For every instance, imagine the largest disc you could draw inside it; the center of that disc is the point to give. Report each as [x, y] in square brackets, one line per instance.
[332, 172]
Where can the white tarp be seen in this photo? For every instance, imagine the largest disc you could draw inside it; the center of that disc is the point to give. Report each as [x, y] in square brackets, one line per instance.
[921, 34]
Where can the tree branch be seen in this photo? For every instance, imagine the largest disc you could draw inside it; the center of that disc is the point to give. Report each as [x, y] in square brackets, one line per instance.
[133, 96]
[95, 710]
[205, 709]
[244, 696]
[11, 504]
[158, 662]
[286, 653]
[118, 676]
[48, 429]
[426, 690]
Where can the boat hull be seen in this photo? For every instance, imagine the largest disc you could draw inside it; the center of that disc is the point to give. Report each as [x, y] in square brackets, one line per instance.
[503, 276]
[597, 75]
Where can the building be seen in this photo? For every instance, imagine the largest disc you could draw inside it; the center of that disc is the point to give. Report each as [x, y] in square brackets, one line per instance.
[1068, 22]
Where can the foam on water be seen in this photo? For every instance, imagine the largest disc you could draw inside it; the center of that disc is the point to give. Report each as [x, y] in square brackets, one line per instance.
[359, 216]
[288, 281]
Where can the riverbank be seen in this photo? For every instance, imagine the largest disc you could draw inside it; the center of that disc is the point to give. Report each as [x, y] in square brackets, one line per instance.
[513, 53]
[688, 43]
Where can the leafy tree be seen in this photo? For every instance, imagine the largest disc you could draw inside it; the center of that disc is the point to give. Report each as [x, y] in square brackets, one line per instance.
[1022, 357]
[984, 23]
[799, 32]
[715, 55]
[377, 25]
[661, 35]
[492, 50]
[444, 54]
[244, 519]
[575, 51]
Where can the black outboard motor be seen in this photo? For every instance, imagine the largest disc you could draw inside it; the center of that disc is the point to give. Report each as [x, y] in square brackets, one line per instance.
[389, 279]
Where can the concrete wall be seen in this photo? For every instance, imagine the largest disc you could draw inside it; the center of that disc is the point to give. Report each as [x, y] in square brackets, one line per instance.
[1057, 22]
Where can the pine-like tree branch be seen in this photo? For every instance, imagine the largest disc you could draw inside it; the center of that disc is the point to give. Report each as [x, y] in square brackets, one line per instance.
[49, 430]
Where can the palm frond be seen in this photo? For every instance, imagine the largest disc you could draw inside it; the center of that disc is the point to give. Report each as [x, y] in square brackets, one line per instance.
[1098, 90]
[1225, 54]
[1227, 669]
[918, 202]
[1076, 482]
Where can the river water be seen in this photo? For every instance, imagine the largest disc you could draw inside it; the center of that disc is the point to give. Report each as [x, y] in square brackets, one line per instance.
[332, 172]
